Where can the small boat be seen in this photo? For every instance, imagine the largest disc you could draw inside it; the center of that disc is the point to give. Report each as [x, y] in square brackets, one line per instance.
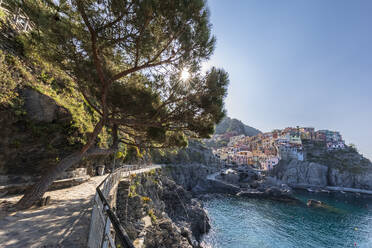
[343, 192]
[310, 190]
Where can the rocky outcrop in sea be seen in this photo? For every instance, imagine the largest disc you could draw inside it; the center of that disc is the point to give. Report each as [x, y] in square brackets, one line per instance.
[297, 172]
[362, 180]
[306, 174]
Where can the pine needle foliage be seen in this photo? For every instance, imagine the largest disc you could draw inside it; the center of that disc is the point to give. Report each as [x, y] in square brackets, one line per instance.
[126, 57]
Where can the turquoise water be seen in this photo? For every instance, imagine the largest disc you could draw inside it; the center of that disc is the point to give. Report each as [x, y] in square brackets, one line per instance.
[241, 222]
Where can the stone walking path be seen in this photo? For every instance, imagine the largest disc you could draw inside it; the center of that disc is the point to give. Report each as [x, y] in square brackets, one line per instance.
[63, 223]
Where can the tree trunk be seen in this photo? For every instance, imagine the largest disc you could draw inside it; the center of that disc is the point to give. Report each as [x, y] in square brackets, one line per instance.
[37, 191]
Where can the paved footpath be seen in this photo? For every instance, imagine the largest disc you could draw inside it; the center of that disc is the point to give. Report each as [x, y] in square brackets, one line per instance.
[63, 223]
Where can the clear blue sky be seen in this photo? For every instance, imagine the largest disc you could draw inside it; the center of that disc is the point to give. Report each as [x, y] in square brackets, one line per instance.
[306, 63]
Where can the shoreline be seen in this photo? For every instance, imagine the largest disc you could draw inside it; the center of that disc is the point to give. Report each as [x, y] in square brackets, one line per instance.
[351, 190]
[212, 178]
[328, 189]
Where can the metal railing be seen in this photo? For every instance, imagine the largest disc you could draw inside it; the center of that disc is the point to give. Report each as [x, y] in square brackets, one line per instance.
[111, 219]
[105, 228]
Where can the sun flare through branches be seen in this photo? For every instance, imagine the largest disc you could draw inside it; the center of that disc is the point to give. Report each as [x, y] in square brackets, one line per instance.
[185, 75]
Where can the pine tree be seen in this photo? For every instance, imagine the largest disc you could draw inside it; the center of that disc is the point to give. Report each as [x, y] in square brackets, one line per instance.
[127, 56]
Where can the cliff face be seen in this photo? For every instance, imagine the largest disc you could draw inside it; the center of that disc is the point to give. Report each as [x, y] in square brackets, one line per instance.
[343, 168]
[347, 159]
[36, 139]
[301, 173]
[43, 118]
[192, 177]
[195, 152]
[348, 179]
[157, 212]
[305, 173]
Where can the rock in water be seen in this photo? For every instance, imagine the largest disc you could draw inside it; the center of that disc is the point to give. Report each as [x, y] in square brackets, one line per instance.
[272, 193]
[314, 203]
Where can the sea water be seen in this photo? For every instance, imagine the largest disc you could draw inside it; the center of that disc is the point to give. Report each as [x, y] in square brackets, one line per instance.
[241, 222]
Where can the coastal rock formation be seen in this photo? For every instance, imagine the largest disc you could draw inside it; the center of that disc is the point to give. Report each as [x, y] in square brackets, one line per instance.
[272, 193]
[195, 152]
[242, 176]
[230, 176]
[304, 173]
[157, 212]
[348, 179]
[338, 178]
[219, 186]
[314, 203]
[245, 182]
[190, 176]
[297, 172]
[199, 179]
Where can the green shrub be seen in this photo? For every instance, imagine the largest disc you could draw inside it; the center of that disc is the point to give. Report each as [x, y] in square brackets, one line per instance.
[152, 215]
[132, 191]
[152, 172]
[2, 16]
[10, 77]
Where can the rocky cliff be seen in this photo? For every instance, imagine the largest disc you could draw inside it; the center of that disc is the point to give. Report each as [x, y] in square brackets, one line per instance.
[234, 125]
[195, 152]
[296, 172]
[41, 115]
[361, 180]
[227, 128]
[157, 212]
[192, 177]
[307, 173]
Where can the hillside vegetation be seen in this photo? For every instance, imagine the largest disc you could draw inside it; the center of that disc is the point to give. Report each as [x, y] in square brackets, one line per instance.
[42, 114]
[348, 160]
[34, 142]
